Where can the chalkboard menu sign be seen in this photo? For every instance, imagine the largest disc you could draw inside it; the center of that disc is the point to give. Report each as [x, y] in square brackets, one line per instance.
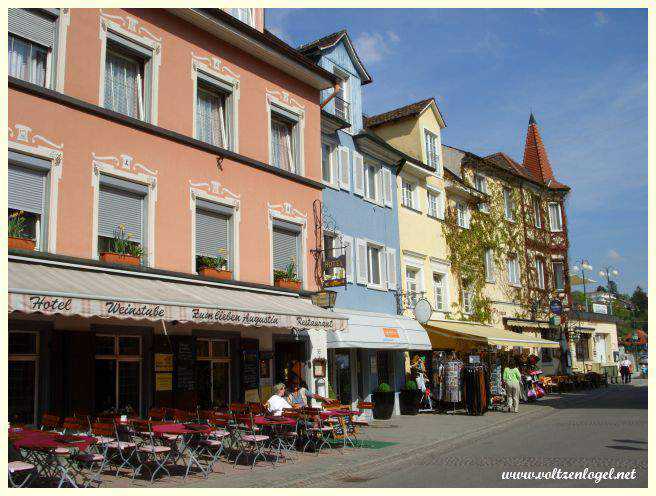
[185, 364]
[250, 366]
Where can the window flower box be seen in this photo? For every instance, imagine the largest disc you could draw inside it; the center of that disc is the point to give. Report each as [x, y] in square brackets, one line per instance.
[292, 284]
[213, 273]
[21, 243]
[120, 258]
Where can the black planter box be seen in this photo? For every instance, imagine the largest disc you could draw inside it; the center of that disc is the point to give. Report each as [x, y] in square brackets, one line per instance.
[383, 405]
[409, 401]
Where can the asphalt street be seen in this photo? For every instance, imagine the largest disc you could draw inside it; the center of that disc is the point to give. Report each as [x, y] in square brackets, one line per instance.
[601, 432]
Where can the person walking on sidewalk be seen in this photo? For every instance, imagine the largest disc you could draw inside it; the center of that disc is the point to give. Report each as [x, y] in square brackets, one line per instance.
[625, 370]
[511, 379]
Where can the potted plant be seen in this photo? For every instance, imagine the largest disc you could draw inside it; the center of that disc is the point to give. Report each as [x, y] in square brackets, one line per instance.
[410, 398]
[122, 250]
[214, 267]
[17, 238]
[287, 278]
[383, 399]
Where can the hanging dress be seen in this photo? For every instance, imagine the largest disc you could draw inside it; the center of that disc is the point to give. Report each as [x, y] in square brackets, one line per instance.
[452, 371]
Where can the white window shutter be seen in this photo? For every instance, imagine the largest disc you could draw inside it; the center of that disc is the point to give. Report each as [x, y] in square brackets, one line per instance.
[391, 268]
[387, 187]
[382, 260]
[442, 206]
[349, 250]
[358, 174]
[334, 167]
[344, 168]
[361, 262]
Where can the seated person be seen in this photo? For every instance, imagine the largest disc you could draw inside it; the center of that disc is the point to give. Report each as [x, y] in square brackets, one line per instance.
[305, 393]
[277, 402]
[297, 398]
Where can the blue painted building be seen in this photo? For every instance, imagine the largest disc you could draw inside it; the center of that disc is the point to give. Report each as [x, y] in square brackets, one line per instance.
[360, 214]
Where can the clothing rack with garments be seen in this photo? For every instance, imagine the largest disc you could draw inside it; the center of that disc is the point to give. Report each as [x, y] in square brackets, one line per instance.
[476, 390]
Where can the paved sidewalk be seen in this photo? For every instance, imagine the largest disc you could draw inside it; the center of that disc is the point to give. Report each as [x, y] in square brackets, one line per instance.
[410, 435]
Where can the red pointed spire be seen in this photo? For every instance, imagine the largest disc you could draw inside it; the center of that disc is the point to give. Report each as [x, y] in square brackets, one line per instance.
[535, 154]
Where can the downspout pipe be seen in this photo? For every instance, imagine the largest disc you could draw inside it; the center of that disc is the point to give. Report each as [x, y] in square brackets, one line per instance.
[336, 88]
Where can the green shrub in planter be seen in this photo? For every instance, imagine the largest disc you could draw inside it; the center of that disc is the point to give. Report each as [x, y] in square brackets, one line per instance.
[383, 387]
[410, 386]
[410, 398]
[383, 399]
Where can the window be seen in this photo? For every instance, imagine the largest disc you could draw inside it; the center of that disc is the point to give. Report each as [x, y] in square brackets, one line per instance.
[555, 217]
[467, 298]
[489, 265]
[408, 191]
[412, 286]
[432, 151]
[32, 34]
[121, 203]
[582, 343]
[211, 124]
[547, 353]
[462, 215]
[117, 372]
[373, 182]
[22, 378]
[341, 99]
[480, 183]
[285, 153]
[287, 247]
[559, 276]
[440, 291]
[244, 15]
[374, 259]
[537, 213]
[509, 205]
[513, 271]
[213, 372]
[539, 270]
[214, 233]
[125, 82]
[326, 162]
[28, 195]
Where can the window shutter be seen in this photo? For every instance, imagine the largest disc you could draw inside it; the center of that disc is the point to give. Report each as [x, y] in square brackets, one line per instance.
[116, 207]
[361, 262]
[358, 174]
[26, 189]
[212, 234]
[390, 253]
[349, 251]
[344, 168]
[285, 248]
[334, 166]
[380, 195]
[387, 187]
[32, 25]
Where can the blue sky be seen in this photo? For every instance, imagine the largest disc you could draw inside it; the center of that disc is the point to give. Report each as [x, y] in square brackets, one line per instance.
[582, 72]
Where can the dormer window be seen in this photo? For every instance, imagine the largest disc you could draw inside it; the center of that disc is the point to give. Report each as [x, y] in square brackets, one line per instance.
[342, 97]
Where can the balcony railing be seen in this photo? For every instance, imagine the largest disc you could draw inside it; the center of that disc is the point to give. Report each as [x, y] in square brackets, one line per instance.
[342, 109]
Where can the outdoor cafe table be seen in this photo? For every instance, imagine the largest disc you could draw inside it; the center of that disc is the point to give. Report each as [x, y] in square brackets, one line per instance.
[188, 432]
[41, 450]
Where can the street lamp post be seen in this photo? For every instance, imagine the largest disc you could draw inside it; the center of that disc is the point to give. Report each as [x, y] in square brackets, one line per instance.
[583, 265]
[606, 273]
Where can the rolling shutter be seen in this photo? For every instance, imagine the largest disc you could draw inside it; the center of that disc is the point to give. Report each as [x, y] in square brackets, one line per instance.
[26, 189]
[390, 253]
[361, 262]
[285, 248]
[344, 168]
[387, 187]
[212, 234]
[32, 25]
[118, 206]
[358, 174]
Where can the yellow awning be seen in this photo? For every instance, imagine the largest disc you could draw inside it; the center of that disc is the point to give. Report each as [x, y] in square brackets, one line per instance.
[486, 334]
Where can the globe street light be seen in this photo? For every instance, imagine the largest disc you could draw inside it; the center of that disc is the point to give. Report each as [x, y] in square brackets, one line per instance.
[606, 273]
[583, 265]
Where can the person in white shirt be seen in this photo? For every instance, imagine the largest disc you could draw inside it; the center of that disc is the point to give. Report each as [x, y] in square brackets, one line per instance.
[277, 402]
[625, 370]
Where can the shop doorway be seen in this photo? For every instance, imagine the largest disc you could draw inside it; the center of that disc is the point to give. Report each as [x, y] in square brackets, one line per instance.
[342, 377]
[23, 374]
[384, 367]
[289, 357]
[213, 372]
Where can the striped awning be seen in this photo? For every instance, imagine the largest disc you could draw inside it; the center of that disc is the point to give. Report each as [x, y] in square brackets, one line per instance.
[529, 324]
[486, 334]
[48, 288]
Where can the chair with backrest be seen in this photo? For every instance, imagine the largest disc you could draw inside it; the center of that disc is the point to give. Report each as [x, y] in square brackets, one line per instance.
[75, 426]
[317, 431]
[124, 448]
[361, 425]
[150, 450]
[157, 413]
[21, 472]
[250, 442]
[50, 422]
